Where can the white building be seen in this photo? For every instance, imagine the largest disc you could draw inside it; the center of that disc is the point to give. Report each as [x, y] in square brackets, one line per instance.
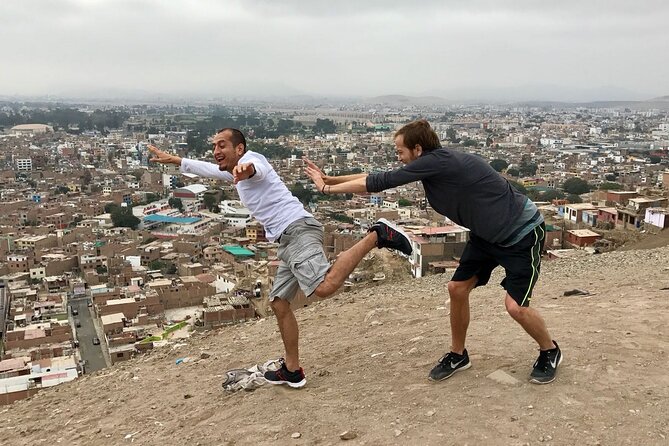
[24, 165]
[33, 375]
[657, 217]
[234, 213]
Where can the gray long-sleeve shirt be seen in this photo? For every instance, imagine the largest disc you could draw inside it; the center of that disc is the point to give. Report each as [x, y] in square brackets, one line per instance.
[464, 188]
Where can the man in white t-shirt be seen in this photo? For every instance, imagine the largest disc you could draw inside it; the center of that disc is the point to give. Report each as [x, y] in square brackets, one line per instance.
[300, 236]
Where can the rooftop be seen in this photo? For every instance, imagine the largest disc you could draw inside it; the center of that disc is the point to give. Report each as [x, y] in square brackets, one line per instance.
[167, 219]
[236, 250]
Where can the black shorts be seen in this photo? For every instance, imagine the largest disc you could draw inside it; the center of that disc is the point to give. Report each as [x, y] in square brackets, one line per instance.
[521, 262]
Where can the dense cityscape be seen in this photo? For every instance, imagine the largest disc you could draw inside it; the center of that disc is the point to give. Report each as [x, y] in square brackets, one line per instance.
[106, 254]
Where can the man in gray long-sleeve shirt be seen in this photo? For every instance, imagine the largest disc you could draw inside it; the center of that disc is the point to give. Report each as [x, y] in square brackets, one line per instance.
[506, 229]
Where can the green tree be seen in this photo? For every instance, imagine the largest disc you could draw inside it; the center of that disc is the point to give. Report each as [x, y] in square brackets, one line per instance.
[61, 190]
[552, 194]
[403, 202]
[513, 172]
[122, 218]
[176, 203]
[519, 187]
[610, 186]
[157, 265]
[452, 136]
[499, 164]
[576, 186]
[86, 178]
[210, 202]
[151, 197]
[101, 269]
[528, 169]
[654, 159]
[573, 198]
[302, 194]
[342, 217]
[324, 126]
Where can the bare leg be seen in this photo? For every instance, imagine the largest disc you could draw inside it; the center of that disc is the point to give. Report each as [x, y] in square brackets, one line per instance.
[459, 294]
[289, 332]
[344, 265]
[531, 321]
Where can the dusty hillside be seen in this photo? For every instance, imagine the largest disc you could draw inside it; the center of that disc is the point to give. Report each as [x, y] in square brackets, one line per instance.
[367, 355]
[649, 241]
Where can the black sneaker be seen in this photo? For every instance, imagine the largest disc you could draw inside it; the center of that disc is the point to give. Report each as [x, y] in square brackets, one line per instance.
[545, 367]
[449, 364]
[390, 236]
[294, 379]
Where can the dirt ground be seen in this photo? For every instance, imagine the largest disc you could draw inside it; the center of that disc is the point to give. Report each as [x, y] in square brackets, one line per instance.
[367, 355]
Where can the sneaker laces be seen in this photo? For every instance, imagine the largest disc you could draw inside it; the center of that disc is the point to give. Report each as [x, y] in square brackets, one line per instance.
[448, 357]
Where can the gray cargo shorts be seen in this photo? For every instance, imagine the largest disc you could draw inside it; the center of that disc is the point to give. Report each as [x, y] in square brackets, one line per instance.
[303, 261]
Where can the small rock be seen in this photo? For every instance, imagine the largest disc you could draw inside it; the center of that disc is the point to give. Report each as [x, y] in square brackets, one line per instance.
[430, 413]
[205, 355]
[503, 378]
[348, 435]
[398, 432]
[296, 435]
[188, 396]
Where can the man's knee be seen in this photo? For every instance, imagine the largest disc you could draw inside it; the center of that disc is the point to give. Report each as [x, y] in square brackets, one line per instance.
[325, 289]
[280, 306]
[515, 311]
[460, 289]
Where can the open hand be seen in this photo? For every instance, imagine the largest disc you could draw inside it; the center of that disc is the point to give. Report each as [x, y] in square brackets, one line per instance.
[316, 176]
[243, 171]
[162, 157]
[310, 165]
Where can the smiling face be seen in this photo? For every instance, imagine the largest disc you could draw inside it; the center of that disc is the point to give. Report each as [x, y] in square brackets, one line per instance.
[225, 153]
[404, 154]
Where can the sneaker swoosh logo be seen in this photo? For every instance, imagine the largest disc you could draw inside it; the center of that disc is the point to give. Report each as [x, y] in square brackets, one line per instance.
[554, 362]
[455, 364]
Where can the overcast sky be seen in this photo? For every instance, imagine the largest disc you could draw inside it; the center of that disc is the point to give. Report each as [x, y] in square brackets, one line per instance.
[526, 49]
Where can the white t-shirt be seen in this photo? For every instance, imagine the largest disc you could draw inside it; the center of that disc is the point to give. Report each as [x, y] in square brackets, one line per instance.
[266, 196]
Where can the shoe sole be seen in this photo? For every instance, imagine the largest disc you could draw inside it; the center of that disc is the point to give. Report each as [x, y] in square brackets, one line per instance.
[535, 381]
[296, 385]
[459, 369]
[396, 228]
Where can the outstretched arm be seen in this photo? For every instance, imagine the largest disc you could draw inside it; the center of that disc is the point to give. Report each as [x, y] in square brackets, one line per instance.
[356, 185]
[163, 157]
[328, 179]
[200, 168]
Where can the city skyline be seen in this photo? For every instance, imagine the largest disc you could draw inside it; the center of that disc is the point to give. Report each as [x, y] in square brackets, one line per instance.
[574, 51]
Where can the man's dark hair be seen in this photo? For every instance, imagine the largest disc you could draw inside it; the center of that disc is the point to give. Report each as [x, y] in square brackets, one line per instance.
[419, 132]
[237, 136]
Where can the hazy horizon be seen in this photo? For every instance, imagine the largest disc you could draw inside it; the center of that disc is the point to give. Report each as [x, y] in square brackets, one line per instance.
[459, 51]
